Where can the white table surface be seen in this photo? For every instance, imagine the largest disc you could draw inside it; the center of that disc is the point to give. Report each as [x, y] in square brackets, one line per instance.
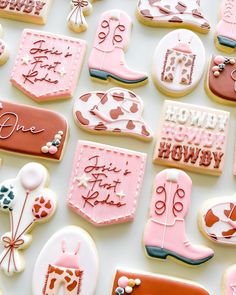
[119, 245]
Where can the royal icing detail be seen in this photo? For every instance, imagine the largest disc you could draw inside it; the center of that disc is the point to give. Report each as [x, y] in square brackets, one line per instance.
[165, 233]
[105, 183]
[179, 62]
[32, 11]
[221, 80]
[26, 130]
[229, 281]
[225, 31]
[67, 262]
[151, 283]
[4, 52]
[126, 285]
[48, 66]
[218, 220]
[192, 137]
[28, 201]
[76, 19]
[173, 13]
[117, 111]
[106, 60]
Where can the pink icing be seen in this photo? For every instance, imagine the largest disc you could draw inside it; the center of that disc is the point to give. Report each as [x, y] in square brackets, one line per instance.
[230, 281]
[183, 47]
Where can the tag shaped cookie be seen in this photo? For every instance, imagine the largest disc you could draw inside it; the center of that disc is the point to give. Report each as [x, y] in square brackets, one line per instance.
[4, 51]
[229, 281]
[68, 262]
[48, 66]
[76, 19]
[30, 11]
[178, 63]
[32, 131]
[173, 13]
[117, 111]
[217, 220]
[27, 201]
[221, 79]
[225, 36]
[192, 137]
[165, 233]
[105, 183]
[106, 61]
[138, 283]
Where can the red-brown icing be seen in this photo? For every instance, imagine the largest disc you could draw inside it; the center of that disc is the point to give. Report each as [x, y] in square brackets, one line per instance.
[157, 285]
[211, 218]
[30, 129]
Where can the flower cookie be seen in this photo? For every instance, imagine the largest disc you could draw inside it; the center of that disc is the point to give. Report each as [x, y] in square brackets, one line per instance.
[30, 11]
[165, 233]
[229, 281]
[221, 79]
[179, 62]
[106, 60]
[48, 66]
[192, 137]
[217, 220]
[117, 111]
[68, 261]
[28, 202]
[225, 36]
[4, 51]
[32, 131]
[106, 182]
[142, 283]
[173, 13]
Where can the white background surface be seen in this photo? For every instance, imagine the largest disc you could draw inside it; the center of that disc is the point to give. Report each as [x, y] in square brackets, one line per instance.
[118, 245]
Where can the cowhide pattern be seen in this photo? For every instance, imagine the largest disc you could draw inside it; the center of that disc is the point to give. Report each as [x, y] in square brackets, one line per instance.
[116, 111]
[58, 276]
[186, 12]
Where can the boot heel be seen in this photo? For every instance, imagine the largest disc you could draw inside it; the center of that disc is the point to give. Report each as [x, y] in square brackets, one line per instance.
[99, 74]
[156, 252]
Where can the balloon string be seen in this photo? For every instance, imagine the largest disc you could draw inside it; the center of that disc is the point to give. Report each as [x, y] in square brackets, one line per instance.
[27, 227]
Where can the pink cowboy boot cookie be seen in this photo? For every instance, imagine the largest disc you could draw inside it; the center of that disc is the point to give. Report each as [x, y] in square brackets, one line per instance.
[165, 231]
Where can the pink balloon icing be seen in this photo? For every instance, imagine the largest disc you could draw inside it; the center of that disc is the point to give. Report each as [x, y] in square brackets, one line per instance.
[31, 176]
[42, 207]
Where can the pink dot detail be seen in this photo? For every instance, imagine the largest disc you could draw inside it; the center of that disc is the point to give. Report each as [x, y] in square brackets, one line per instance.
[219, 59]
[123, 282]
[52, 150]
[215, 68]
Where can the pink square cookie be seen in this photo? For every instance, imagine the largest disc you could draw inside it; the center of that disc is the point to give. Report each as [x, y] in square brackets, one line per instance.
[192, 137]
[105, 183]
[48, 66]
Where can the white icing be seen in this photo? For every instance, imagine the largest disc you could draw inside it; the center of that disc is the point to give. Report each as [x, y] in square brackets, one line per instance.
[32, 175]
[172, 175]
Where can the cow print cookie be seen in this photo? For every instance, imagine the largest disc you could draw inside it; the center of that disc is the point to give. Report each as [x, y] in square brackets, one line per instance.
[48, 66]
[106, 182]
[173, 13]
[217, 220]
[28, 202]
[33, 11]
[117, 111]
[229, 281]
[179, 62]
[192, 137]
[68, 262]
[4, 51]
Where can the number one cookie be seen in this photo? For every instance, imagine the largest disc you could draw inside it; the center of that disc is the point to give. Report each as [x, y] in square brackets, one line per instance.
[165, 231]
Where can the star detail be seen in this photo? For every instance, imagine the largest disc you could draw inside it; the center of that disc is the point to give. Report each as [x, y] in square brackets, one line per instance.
[83, 180]
[62, 72]
[25, 60]
[121, 195]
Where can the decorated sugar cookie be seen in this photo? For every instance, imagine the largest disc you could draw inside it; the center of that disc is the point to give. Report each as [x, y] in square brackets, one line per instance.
[28, 202]
[32, 131]
[76, 18]
[117, 111]
[107, 59]
[225, 36]
[165, 233]
[4, 51]
[179, 62]
[30, 11]
[192, 137]
[105, 183]
[68, 262]
[142, 283]
[221, 79]
[173, 13]
[229, 281]
[48, 66]
[217, 220]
